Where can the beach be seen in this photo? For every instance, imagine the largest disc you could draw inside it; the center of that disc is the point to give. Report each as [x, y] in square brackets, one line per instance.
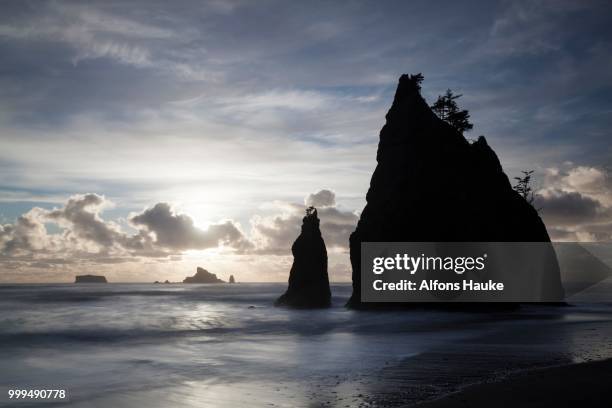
[226, 345]
[586, 384]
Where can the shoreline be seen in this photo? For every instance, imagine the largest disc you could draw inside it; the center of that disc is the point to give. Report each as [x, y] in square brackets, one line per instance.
[577, 384]
[205, 346]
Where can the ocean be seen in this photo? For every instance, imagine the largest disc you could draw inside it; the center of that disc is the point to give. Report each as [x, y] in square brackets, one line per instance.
[171, 345]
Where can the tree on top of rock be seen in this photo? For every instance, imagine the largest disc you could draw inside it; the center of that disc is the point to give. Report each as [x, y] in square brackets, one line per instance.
[447, 109]
[311, 212]
[523, 186]
[417, 79]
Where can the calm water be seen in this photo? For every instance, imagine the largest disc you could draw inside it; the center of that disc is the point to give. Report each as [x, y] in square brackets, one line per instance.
[225, 345]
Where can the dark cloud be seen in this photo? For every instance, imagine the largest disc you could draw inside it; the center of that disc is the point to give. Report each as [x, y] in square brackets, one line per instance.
[576, 203]
[177, 231]
[568, 208]
[81, 215]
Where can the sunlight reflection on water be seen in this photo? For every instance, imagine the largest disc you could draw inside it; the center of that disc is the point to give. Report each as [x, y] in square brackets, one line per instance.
[151, 345]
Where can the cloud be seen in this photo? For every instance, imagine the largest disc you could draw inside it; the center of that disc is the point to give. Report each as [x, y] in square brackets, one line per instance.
[25, 235]
[91, 32]
[85, 236]
[177, 231]
[119, 51]
[591, 181]
[568, 208]
[587, 179]
[80, 218]
[297, 100]
[529, 27]
[96, 31]
[576, 203]
[81, 237]
[275, 234]
[324, 198]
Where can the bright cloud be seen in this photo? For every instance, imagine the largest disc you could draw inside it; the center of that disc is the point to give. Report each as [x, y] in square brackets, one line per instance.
[161, 234]
[274, 233]
[85, 235]
[576, 203]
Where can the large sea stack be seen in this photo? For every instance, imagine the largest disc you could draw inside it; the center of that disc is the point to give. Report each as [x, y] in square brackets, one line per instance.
[308, 279]
[432, 185]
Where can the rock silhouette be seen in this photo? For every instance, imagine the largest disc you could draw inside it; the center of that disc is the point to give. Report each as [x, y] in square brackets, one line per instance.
[432, 185]
[308, 279]
[202, 276]
[231, 279]
[90, 279]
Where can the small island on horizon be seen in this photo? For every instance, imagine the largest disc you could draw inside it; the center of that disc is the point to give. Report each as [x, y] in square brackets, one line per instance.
[203, 276]
[90, 279]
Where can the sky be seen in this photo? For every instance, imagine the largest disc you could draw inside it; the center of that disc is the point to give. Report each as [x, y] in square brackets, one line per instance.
[139, 139]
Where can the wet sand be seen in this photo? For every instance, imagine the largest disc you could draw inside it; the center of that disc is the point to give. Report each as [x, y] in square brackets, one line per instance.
[577, 385]
[203, 346]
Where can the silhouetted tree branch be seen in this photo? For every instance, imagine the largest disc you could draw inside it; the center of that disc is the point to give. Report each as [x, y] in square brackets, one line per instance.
[417, 79]
[523, 187]
[447, 109]
[311, 212]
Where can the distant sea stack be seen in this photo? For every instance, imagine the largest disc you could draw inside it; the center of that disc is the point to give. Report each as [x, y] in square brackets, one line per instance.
[231, 279]
[202, 276]
[90, 279]
[308, 279]
[432, 185]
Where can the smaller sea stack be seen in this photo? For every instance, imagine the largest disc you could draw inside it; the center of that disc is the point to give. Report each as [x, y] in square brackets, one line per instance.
[202, 276]
[308, 279]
